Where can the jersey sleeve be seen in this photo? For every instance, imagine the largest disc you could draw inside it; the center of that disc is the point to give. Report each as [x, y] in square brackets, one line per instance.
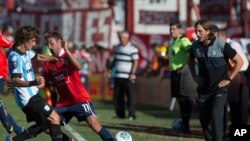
[238, 48]
[32, 54]
[4, 42]
[228, 51]
[186, 43]
[15, 66]
[134, 54]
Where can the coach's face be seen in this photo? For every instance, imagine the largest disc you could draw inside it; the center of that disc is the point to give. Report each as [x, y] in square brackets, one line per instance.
[54, 46]
[202, 34]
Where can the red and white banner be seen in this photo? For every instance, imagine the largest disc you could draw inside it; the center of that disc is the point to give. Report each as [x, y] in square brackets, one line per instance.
[40, 5]
[87, 27]
[149, 25]
[153, 16]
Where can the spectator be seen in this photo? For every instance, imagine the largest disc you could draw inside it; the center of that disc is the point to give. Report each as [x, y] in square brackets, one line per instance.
[247, 72]
[86, 60]
[237, 98]
[159, 63]
[215, 29]
[125, 64]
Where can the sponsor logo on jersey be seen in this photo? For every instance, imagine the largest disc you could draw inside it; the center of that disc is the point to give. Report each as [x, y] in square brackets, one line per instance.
[61, 77]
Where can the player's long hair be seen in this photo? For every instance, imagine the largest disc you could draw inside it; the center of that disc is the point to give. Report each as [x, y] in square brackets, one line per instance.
[207, 26]
[25, 33]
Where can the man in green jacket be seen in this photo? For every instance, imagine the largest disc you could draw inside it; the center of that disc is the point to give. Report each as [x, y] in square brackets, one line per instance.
[182, 84]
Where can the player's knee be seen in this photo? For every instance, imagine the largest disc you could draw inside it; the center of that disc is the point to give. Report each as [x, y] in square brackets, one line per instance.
[54, 118]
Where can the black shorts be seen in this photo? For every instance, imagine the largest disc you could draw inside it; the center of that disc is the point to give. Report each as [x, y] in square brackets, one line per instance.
[37, 109]
[80, 110]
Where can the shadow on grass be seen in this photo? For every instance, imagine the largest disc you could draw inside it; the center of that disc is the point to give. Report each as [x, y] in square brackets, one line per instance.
[159, 112]
[155, 111]
[162, 131]
[149, 110]
[195, 132]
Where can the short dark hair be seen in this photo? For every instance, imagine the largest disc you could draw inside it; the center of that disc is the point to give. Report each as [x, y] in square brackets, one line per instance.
[53, 34]
[25, 33]
[222, 32]
[214, 28]
[175, 22]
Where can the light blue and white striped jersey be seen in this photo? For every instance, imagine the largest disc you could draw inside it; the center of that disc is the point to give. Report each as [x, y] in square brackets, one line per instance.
[124, 57]
[20, 66]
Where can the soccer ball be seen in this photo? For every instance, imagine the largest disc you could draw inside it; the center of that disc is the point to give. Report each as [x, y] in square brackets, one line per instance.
[123, 136]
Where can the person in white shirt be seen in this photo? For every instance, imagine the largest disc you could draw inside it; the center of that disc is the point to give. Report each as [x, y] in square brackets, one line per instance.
[237, 97]
[125, 64]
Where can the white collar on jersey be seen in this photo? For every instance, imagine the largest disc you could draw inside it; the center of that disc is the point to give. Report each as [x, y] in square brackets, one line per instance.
[61, 52]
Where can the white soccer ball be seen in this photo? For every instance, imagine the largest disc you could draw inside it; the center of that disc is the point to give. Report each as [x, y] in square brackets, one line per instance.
[123, 136]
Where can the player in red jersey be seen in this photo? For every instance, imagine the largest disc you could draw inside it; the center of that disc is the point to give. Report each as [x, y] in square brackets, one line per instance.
[74, 101]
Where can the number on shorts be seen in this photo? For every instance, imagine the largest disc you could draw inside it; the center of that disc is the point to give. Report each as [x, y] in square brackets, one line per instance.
[86, 107]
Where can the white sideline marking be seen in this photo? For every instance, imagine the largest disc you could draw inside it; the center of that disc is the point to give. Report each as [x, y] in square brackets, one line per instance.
[76, 135]
[171, 107]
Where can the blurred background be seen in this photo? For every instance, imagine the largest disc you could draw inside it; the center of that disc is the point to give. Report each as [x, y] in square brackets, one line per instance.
[92, 26]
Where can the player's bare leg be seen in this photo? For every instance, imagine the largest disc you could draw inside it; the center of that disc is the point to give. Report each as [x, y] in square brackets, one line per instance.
[95, 125]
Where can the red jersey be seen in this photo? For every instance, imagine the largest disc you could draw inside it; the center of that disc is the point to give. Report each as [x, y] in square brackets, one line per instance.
[4, 66]
[66, 78]
[3, 61]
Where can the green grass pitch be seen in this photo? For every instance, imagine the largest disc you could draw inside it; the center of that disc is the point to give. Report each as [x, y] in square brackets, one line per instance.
[152, 123]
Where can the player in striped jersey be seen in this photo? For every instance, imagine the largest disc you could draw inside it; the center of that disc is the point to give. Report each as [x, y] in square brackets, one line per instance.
[26, 86]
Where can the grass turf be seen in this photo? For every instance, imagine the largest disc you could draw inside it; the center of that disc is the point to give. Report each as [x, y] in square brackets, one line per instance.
[152, 123]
